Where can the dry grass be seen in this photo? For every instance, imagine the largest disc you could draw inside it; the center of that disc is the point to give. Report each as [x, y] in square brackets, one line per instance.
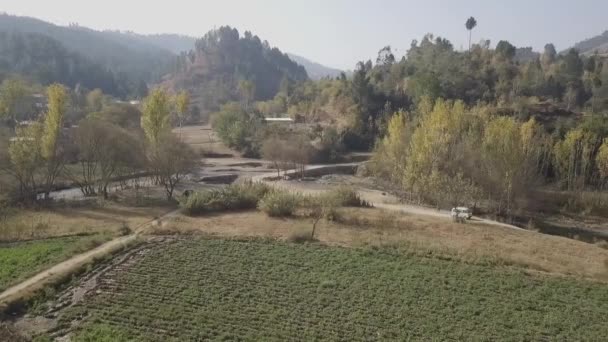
[108, 218]
[477, 243]
[203, 138]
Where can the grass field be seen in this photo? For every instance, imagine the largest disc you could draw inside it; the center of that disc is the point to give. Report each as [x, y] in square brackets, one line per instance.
[360, 227]
[23, 259]
[200, 289]
[109, 217]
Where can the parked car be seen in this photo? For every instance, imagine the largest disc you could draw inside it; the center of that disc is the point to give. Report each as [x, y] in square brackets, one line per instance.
[461, 213]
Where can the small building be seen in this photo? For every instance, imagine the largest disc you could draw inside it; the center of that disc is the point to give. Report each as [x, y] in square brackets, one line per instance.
[279, 120]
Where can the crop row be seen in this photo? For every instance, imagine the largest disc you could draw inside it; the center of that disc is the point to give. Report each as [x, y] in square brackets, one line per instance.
[214, 289]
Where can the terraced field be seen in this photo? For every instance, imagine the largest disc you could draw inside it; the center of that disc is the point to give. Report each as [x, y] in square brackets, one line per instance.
[200, 289]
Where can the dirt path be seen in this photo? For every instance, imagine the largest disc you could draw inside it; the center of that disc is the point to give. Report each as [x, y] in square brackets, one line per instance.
[29, 287]
[377, 198]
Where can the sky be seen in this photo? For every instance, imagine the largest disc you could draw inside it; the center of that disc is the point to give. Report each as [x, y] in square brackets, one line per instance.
[338, 33]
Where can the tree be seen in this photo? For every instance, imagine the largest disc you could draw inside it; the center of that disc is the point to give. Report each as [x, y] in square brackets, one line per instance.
[51, 149]
[182, 102]
[506, 50]
[504, 161]
[25, 157]
[602, 160]
[549, 55]
[94, 100]
[121, 114]
[12, 93]
[105, 151]
[247, 92]
[391, 155]
[574, 157]
[273, 149]
[171, 162]
[155, 117]
[470, 25]
[320, 207]
[237, 129]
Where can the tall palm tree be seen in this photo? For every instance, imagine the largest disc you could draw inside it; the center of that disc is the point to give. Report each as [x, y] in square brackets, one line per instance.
[470, 25]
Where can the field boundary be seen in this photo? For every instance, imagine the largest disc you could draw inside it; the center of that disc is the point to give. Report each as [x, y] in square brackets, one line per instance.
[55, 274]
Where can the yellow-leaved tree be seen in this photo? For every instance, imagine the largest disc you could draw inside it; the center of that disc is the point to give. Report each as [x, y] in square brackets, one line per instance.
[25, 159]
[155, 116]
[574, 158]
[182, 104]
[51, 151]
[391, 153]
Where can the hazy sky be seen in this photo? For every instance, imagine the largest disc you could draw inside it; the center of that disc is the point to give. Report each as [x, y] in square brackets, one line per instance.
[338, 33]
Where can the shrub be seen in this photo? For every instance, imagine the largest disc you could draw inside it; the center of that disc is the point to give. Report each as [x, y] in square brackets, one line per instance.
[233, 197]
[279, 203]
[346, 197]
[124, 229]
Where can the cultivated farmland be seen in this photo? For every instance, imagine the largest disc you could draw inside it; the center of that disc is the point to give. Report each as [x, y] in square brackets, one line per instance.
[217, 289]
[20, 260]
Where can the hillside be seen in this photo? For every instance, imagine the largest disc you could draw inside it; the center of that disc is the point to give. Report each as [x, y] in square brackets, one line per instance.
[45, 60]
[174, 43]
[315, 70]
[226, 66]
[592, 45]
[124, 54]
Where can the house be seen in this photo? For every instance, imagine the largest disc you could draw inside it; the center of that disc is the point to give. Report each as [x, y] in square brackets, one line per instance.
[279, 120]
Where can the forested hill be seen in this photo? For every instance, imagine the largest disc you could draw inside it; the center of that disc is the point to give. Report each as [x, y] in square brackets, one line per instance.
[597, 44]
[226, 66]
[315, 70]
[44, 60]
[128, 57]
[174, 43]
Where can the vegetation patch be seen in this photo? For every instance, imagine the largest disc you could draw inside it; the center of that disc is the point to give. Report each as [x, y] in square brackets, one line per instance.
[232, 197]
[264, 290]
[280, 203]
[21, 260]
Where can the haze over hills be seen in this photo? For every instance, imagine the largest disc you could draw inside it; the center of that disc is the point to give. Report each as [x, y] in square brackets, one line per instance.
[120, 63]
[315, 70]
[597, 44]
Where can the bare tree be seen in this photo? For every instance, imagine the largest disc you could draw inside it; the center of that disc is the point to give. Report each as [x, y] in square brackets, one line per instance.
[171, 161]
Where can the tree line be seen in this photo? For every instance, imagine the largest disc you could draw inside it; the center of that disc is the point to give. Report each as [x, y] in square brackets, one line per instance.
[447, 153]
[112, 142]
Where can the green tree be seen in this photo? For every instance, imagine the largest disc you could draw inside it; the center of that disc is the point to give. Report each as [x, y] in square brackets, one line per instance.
[470, 25]
[506, 50]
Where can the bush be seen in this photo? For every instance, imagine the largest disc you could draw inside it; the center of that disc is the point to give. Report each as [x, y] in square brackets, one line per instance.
[124, 229]
[233, 197]
[346, 197]
[279, 203]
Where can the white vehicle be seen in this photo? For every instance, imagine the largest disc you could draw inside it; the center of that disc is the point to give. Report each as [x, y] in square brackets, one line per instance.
[461, 214]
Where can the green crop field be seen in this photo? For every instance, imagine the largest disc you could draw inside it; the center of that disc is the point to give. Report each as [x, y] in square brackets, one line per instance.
[201, 289]
[20, 260]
